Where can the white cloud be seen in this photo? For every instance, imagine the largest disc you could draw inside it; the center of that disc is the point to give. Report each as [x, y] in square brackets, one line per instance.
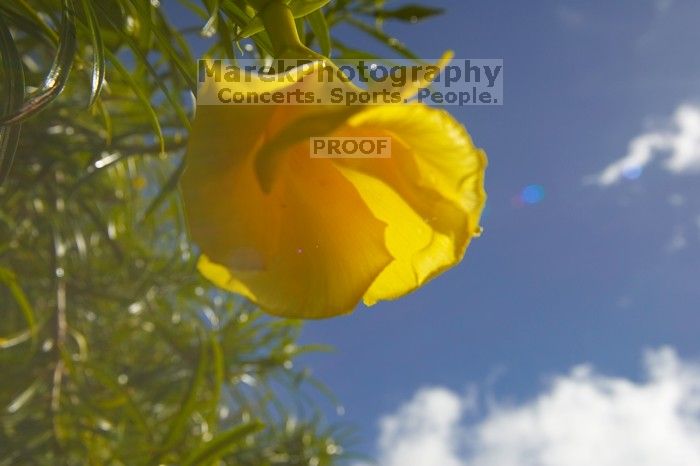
[680, 143]
[663, 5]
[676, 200]
[678, 240]
[581, 419]
[570, 16]
[422, 432]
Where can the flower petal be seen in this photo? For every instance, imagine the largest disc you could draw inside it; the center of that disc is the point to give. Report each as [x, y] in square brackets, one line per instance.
[430, 192]
[309, 248]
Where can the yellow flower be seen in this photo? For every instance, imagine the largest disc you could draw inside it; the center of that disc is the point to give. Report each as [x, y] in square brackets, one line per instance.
[310, 237]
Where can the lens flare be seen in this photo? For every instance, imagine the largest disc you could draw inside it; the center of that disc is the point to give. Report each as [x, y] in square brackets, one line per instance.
[532, 194]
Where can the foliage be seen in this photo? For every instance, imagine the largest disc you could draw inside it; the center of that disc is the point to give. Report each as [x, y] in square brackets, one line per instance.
[113, 350]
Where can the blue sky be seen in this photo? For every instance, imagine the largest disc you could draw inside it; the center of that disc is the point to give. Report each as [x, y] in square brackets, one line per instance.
[591, 274]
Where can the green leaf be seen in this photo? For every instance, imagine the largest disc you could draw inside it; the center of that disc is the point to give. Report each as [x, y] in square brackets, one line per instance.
[195, 8]
[350, 53]
[381, 36]
[41, 34]
[187, 66]
[189, 403]
[169, 186]
[320, 28]
[13, 96]
[58, 74]
[300, 26]
[107, 380]
[222, 444]
[304, 7]
[141, 96]
[98, 54]
[211, 25]
[15, 339]
[8, 278]
[409, 13]
[226, 40]
[300, 8]
[219, 369]
[22, 399]
[107, 121]
[35, 22]
[143, 61]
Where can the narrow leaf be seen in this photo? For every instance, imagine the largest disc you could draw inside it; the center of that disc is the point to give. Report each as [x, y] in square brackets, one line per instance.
[409, 13]
[143, 61]
[185, 67]
[300, 8]
[320, 28]
[22, 399]
[212, 23]
[13, 96]
[169, 186]
[98, 54]
[347, 52]
[382, 37]
[58, 74]
[8, 278]
[108, 381]
[141, 96]
[179, 423]
[222, 444]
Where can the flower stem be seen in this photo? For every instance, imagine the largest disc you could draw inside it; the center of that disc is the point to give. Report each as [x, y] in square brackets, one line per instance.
[279, 23]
